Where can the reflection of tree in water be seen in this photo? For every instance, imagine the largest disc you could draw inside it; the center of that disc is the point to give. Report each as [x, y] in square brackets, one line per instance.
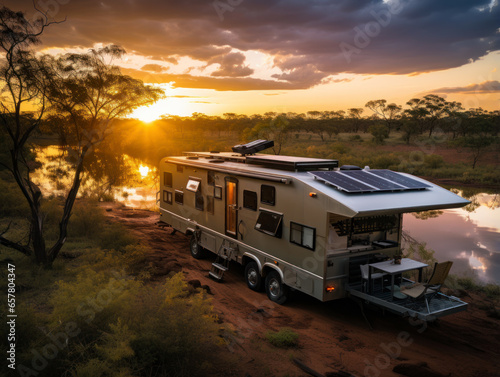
[424, 215]
[494, 202]
[107, 169]
[478, 198]
[417, 250]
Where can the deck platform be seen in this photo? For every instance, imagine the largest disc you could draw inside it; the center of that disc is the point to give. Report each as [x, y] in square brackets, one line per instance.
[440, 305]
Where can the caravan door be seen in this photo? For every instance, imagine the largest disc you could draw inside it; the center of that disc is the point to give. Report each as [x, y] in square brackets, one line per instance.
[231, 207]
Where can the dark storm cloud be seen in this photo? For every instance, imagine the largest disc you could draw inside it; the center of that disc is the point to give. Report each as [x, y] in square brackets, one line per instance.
[484, 87]
[231, 65]
[310, 39]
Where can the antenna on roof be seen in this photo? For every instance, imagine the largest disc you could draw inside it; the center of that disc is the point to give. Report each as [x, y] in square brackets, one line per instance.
[253, 147]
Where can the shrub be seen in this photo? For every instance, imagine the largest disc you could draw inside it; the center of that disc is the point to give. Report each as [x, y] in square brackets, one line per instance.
[386, 161]
[284, 338]
[433, 161]
[379, 132]
[355, 138]
[161, 330]
[116, 237]
[87, 220]
[12, 202]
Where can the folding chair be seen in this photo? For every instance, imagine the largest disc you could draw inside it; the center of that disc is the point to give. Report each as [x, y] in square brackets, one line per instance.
[427, 291]
[365, 274]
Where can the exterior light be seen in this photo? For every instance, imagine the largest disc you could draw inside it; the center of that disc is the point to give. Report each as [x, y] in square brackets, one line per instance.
[313, 194]
[330, 288]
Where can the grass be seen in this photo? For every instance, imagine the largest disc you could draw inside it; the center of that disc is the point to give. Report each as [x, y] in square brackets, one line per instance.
[117, 323]
[470, 284]
[284, 338]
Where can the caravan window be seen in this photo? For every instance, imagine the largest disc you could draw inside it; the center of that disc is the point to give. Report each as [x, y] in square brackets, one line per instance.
[193, 185]
[179, 197]
[167, 179]
[302, 235]
[268, 194]
[269, 223]
[250, 200]
[167, 197]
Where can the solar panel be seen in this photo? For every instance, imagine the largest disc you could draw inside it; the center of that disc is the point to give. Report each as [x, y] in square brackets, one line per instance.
[359, 181]
[399, 179]
[342, 182]
[372, 180]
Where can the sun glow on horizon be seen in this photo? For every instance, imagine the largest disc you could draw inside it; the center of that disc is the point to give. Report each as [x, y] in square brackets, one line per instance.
[143, 170]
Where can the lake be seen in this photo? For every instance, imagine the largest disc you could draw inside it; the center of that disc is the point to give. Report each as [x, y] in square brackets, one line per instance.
[469, 236]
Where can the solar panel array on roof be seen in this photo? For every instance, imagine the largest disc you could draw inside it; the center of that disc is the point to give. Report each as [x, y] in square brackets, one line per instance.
[359, 181]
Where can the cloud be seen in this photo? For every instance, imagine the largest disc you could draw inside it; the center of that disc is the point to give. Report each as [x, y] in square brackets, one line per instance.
[482, 88]
[310, 40]
[154, 68]
[216, 83]
[231, 65]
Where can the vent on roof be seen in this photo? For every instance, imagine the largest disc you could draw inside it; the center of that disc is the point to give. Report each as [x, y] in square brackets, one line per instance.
[350, 167]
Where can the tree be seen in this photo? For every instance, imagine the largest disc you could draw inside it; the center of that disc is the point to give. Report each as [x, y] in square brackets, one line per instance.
[86, 89]
[479, 133]
[390, 113]
[276, 129]
[354, 117]
[21, 76]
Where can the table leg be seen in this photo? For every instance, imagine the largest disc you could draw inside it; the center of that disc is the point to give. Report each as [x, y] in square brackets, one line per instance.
[369, 280]
[392, 287]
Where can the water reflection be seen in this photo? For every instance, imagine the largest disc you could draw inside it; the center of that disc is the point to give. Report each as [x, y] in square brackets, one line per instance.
[132, 182]
[469, 236]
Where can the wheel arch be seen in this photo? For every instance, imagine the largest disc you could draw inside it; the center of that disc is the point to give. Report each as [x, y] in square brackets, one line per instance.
[271, 267]
[247, 257]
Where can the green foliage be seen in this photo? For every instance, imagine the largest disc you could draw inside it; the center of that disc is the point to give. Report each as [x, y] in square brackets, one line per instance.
[379, 132]
[12, 201]
[386, 161]
[433, 161]
[284, 338]
[115, 236]
[87, 220]
[355, 138]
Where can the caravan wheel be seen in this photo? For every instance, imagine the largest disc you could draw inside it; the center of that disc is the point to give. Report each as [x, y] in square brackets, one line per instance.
[275, 289]
[197, 251]
[253, 277]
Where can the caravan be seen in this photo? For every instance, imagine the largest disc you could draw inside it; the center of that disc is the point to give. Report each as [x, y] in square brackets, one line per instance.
[302, 224]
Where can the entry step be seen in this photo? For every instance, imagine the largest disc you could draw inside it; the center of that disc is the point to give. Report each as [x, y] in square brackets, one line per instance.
[219, 266]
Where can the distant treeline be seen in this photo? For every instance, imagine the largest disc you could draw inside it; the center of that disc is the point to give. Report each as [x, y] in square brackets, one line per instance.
[423, 116]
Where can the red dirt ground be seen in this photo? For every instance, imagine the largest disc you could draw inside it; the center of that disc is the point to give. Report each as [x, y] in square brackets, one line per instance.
[333, 336]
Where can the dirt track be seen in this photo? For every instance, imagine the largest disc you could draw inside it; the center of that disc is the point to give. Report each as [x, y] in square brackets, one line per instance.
[332, 336]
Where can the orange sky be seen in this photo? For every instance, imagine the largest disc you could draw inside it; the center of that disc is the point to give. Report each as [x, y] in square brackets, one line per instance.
[246, 56]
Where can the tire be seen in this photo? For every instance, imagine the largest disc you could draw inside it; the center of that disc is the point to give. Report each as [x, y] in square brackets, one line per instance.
[253, 277]
[275, 289]
[197, 251]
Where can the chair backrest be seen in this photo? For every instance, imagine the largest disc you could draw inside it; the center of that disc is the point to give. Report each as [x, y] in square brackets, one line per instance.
[440, 273]
[364, 271]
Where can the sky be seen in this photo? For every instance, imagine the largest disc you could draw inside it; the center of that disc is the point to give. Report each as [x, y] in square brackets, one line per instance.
[255, 56]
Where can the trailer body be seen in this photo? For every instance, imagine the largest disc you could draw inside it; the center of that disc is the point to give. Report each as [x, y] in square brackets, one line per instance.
[281, 215]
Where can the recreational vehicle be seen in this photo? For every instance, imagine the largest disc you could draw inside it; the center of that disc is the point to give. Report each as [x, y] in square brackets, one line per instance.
[303, 224]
